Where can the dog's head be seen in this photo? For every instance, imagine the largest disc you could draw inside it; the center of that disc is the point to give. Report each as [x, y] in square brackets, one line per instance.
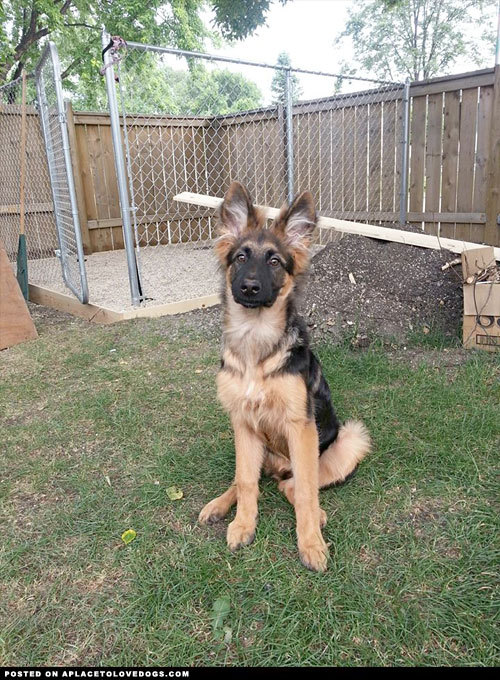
[261, 263]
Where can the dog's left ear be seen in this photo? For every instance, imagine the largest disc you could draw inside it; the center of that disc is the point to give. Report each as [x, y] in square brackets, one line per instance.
[296, 224]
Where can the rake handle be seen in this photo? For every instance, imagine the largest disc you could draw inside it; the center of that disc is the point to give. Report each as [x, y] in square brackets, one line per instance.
[23, 155]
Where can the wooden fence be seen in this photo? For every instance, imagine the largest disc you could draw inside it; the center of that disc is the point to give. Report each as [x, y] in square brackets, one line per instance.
[454, 165]
[347, 152]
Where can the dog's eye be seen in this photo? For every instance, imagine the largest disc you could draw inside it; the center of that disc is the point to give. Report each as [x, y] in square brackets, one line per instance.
[274, 262]
[241, 257]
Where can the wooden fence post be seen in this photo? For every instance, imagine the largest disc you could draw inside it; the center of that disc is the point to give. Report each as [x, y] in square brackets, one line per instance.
[492, 227]
[77, 174]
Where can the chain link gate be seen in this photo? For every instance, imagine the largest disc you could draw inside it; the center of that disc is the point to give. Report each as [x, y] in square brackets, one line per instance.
[55, 134]
[197, 128]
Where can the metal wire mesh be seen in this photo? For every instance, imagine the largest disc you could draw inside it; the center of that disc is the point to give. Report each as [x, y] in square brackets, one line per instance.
[53, 122]
[41, 237]
[197, 124]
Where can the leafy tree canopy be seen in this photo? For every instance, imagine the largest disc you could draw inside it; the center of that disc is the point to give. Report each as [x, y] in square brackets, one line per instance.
[419, 39]
[278, 83]
[150, 87]
[75, 26]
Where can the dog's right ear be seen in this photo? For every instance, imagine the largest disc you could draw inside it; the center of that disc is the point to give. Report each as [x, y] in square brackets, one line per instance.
[236, 214]
[235, 210]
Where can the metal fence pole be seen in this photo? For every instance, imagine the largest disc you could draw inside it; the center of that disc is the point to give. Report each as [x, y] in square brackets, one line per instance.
[133, 273]
[289, 135]
[497, 50]
[403, 197]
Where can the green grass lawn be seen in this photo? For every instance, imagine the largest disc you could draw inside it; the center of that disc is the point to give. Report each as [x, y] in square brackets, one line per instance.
[98, 422]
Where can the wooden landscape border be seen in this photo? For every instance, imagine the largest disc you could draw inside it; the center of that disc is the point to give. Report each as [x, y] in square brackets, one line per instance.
[103, 315]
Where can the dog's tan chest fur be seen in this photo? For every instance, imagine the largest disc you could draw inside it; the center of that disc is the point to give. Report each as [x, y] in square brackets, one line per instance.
[267, 403]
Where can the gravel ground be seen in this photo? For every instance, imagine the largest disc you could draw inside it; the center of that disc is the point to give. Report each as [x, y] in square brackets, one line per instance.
[169, 274]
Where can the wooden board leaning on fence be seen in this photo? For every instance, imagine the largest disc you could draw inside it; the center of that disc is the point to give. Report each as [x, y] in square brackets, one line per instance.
[16, 324]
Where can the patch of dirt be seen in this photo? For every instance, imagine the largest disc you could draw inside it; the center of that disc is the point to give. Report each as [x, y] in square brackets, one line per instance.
[46, 317]
[384, 289]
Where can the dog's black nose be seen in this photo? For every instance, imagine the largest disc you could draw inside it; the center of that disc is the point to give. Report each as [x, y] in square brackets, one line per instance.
[250, 287]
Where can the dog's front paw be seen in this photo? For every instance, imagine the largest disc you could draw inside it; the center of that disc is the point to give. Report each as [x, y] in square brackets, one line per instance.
[212, 512]
[314, 555]
[239, 535]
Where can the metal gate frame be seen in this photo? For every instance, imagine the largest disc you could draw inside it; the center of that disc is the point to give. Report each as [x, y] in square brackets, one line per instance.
[55, 135]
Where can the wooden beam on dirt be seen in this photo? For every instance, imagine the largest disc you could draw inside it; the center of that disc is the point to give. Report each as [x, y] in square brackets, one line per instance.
[370, 230]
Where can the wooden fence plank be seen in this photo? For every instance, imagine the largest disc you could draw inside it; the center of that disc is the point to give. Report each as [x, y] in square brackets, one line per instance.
[360, 152]
[95, 153]
[314, 154]
[433, 158]
[336, 160]
[451, 128]
[325, 165]
[82, 145]
[108, 162]
[375, 157]
[389, 145]
[417, 154]
[77, 174]
[482, 156]
[465, 182]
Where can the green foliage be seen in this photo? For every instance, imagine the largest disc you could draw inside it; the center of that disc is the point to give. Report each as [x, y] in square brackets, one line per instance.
[218, 92]
[153, 88]
[76, 24]
[419, 39]
[240, 19]
[278, 84]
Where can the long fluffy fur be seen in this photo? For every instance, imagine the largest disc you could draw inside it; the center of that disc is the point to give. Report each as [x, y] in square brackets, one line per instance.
[342, 457]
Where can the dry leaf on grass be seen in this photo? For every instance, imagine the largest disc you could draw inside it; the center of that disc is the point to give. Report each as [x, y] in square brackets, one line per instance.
[174, 493]
[128, 536]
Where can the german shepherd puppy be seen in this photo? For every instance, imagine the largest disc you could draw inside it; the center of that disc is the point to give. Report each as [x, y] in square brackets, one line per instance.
[270, 382]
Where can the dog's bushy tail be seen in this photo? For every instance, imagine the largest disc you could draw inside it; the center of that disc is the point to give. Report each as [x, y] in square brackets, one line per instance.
[342, 456]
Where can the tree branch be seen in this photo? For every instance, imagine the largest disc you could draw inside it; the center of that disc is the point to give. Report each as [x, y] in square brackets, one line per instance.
[67, 71]
[94, 28]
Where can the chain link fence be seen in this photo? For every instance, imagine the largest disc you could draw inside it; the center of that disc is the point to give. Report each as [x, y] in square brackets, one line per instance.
[195, 123]
[51, 218]
[41, 238]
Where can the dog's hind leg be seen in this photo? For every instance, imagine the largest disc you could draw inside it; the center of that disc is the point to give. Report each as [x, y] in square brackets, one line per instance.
[219, 507]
